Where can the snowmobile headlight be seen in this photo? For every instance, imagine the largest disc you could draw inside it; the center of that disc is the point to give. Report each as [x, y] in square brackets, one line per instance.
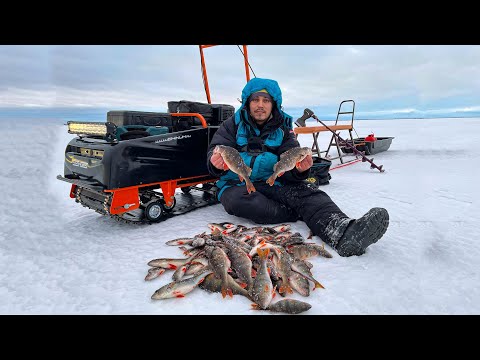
[85, 152]
[106, 130]
[98, 153]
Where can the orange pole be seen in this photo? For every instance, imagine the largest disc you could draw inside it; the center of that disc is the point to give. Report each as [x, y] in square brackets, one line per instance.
[204, 71]
[245, 55]
[204, 68]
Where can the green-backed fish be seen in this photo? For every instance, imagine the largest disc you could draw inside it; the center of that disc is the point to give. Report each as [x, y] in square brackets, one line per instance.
[234, 162]
[288, 160]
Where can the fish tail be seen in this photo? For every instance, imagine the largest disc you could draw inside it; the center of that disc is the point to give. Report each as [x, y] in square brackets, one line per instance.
[250, 187]
[226, 290]
[271, 179]
[263, 253]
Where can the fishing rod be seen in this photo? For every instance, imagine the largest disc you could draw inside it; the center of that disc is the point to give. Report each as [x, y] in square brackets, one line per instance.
[307, 113]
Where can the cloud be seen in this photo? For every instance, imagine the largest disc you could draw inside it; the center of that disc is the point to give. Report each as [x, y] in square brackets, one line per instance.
[378, 77]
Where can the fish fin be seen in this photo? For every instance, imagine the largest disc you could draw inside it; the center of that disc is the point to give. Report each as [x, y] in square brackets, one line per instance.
[280, 174]
[241, 178]
[285, 288]
[269, 271]
[230, 292]
[255, 306]
[254, 273]
[318, 285]
[225, 166]
[243, 285]
[172, 266]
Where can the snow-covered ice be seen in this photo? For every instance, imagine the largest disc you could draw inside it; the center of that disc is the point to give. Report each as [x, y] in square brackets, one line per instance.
[57, 257]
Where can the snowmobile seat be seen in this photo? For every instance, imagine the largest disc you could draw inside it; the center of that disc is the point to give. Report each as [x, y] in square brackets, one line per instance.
[133, 134]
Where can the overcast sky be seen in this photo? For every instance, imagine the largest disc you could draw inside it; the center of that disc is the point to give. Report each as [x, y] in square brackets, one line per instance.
[381, 79]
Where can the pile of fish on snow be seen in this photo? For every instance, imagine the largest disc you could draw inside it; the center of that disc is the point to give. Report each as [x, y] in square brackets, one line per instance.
[233, 259]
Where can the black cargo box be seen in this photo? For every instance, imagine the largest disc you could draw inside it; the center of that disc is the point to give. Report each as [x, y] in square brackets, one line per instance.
[127, 117]
[174, 123]
[214, 114]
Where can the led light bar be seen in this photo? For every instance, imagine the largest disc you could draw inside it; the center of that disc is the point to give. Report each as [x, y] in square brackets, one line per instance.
[106, 130]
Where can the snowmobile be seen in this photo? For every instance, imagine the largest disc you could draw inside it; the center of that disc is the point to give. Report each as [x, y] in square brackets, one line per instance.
[131, 166]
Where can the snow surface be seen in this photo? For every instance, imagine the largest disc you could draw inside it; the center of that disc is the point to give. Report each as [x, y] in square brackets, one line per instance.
[57, 257]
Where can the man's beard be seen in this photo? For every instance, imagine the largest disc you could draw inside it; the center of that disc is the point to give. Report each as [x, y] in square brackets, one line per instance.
[263, 119]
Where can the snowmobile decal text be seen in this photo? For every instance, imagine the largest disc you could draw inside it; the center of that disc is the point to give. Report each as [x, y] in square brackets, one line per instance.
[77, 162]
[81, 163]
[173, 138]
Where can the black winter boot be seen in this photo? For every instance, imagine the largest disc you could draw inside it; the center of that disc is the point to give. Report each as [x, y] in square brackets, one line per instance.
[363, 232]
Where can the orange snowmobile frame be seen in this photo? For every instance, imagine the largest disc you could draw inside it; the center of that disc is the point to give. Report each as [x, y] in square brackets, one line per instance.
[204, 69]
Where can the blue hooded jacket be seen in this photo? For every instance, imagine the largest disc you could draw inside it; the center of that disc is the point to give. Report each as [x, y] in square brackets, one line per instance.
[241, 132]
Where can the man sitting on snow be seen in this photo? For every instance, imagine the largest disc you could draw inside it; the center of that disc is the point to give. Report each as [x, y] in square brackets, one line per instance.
[261, 131]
